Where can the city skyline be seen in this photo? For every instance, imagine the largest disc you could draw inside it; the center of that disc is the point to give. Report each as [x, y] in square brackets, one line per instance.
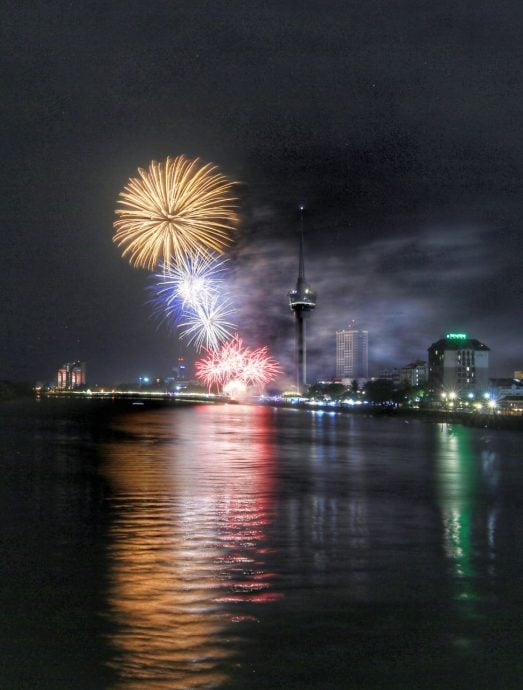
[397, 128]
[351, 351]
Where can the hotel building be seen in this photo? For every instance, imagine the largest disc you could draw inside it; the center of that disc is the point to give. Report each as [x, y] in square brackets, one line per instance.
[458, 364]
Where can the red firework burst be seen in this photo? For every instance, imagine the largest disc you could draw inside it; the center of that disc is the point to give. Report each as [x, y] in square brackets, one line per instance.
[234, 361]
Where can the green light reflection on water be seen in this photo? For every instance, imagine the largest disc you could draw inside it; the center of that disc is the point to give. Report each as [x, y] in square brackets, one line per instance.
[457, 479]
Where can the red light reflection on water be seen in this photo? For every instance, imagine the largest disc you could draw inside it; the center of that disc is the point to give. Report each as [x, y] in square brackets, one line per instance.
[193, 499]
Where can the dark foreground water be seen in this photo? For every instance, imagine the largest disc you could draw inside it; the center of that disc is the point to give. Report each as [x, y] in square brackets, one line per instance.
[246, 547]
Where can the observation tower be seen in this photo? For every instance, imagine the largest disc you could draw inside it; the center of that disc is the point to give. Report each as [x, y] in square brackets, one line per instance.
[302, 301]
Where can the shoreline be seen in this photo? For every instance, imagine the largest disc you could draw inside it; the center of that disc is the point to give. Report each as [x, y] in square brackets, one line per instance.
[139, 402]
[471, 419]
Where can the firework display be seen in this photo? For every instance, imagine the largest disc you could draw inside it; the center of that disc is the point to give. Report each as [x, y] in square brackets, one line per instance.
[206, 325]
[176, 219]
[188, 284]
[175, 208]
[234, 362]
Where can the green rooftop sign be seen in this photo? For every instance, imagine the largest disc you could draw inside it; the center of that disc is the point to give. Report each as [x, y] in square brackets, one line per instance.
[457, 336]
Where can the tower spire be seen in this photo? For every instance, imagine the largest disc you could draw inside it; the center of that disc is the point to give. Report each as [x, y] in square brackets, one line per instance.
[302, 300]
[301, 270]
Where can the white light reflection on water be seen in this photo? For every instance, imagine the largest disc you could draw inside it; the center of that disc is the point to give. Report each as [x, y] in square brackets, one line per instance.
[192, 502]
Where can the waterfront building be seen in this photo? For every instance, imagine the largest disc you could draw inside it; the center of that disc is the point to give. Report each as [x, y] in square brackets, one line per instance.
[392, 374]
[415, 373]
[302, 300]
[71, 375]
[499, 388]
[458, 364]
[511, 404]
[352, 354]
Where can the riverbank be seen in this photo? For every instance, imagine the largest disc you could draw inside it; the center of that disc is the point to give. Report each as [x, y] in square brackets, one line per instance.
[471, 419]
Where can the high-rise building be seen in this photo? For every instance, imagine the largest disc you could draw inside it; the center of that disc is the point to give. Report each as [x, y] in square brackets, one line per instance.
[458, 364]
[71, 375]
[352, 354]
[302, 300]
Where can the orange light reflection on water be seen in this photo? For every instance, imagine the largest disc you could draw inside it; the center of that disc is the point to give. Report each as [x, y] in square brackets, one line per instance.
[192, 498]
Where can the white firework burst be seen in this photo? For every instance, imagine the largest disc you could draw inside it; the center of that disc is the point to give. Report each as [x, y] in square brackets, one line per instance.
[188, 284]
[207, 326]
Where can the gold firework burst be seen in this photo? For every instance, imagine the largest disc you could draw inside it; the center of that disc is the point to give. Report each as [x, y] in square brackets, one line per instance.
[175, 208]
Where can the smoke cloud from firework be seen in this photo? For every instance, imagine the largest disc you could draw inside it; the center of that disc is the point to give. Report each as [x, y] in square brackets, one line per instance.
[407, 291]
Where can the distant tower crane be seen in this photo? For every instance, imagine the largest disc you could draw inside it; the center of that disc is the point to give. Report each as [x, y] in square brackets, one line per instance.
[302, 300]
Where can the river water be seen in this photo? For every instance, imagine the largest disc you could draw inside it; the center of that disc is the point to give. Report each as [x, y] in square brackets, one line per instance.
[237, 546]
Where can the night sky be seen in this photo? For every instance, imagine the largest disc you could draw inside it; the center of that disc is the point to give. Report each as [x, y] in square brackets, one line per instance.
[398, 125]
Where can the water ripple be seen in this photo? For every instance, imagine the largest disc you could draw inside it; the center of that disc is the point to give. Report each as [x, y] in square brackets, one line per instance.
[188, 546]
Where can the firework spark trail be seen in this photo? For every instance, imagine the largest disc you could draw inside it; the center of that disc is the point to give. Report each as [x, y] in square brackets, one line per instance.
[189, 284]
[207, 325]
[176, 208]
[259, 367]
[212, 370]
[234, 361]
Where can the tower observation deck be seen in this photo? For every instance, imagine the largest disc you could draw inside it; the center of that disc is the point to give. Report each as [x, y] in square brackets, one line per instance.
[302, 300]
